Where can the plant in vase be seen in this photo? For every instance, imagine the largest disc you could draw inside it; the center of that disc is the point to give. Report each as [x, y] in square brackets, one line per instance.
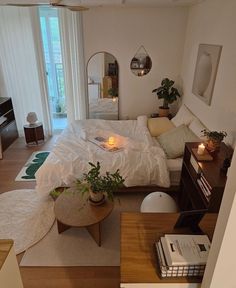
[214, 138]
[99, 186]
[168, 93]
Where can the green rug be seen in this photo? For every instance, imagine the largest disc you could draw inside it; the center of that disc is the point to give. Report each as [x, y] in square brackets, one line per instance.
[27, 173]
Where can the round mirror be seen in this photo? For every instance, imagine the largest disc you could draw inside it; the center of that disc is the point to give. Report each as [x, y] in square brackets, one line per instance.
[141, 63]
[103, 90]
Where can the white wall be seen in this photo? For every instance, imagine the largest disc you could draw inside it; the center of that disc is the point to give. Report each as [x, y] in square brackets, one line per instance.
[121, 31]
[220, 270]
[212, 22]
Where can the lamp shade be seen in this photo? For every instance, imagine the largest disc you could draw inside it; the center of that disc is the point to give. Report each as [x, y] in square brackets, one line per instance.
[32, 118]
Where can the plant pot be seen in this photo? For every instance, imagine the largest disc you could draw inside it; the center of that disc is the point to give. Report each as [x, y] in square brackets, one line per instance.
[164, 112]
[96, 198]
[213, 145]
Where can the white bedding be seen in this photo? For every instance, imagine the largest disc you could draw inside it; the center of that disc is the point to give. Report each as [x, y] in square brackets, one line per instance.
[104, 108]
[141, 162]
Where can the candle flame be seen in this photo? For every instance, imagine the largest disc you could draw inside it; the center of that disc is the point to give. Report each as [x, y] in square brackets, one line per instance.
[111, 140]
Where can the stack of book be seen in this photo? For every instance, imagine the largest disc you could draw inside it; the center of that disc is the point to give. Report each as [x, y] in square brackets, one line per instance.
[205, 186]
[182, 255]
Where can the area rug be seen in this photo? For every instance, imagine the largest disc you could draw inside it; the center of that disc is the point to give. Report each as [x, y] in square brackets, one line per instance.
[75, 247]
[25, 217]
[28, 171]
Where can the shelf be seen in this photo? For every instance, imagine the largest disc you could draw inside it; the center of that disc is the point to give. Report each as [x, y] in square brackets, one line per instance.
[191, 192]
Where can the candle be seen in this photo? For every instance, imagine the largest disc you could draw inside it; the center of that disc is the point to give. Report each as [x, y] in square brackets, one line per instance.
[114, 99]
[111, 140]
[201, 149]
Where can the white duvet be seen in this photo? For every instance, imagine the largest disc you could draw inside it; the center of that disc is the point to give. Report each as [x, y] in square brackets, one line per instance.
[140, 161]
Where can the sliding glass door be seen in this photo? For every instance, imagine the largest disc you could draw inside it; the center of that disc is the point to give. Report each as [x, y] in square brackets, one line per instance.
[49, 24]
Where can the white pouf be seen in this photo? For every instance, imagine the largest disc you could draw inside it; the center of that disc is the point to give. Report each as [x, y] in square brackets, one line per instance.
[158, 202]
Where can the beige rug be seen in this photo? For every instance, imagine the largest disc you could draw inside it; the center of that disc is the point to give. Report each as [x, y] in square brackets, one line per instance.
[25, 217]
[75, 247]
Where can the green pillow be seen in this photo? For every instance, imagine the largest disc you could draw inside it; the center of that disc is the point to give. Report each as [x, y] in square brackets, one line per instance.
[173, 141]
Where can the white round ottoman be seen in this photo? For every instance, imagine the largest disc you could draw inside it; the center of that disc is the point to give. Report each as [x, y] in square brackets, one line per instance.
[158, 202]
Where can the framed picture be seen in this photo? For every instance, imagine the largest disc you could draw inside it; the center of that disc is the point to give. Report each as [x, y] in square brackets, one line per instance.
[205, 71]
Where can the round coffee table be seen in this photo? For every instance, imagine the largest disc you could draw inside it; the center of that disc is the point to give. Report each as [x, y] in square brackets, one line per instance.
[74, 210]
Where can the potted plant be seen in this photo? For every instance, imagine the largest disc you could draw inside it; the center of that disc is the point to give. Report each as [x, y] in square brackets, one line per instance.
[113, 92]
[168, 93]
[99, 186]
[214, 138]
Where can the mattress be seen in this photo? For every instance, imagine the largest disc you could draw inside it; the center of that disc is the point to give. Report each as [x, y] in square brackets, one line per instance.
[174, 166]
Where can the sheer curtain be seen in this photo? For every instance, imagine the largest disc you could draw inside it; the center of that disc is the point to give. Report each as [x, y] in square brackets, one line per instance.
[22, 71]
[74, 65]
[22, 79]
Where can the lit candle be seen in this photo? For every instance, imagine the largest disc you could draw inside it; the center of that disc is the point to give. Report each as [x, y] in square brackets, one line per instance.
[114, 99]
[201, 149]
[111, 140]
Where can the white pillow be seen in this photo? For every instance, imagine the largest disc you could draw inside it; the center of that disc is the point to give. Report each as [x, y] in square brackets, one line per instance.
[183, 116]
[196, 126]
[142, 120]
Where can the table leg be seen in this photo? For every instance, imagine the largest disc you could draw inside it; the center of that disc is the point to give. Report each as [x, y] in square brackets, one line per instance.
[62, 227]
[95, 232]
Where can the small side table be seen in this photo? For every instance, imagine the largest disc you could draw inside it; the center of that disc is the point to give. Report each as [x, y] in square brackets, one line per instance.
[34, 133]
[73, 210]
[156, 115]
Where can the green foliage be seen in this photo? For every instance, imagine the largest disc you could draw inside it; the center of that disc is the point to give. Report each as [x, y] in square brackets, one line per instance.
[107, 183]
[214, 135]
[113, 92]
[56, 192]
[166, 92]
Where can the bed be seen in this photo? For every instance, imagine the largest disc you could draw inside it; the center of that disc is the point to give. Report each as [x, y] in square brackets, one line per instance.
[142, 160]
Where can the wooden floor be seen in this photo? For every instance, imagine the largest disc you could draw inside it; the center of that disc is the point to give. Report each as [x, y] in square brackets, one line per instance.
[49, 277]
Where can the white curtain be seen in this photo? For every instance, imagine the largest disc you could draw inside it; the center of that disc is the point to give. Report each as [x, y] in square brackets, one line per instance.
[22, 76]
[73, 63]
[22, 71]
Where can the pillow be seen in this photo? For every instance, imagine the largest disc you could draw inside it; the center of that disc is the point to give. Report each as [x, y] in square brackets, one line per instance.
[196, 126]
[142, 120]
[173, 141]
[159, 125]
[183, 116]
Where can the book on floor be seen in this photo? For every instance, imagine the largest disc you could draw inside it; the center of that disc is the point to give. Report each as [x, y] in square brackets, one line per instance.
[185, 249]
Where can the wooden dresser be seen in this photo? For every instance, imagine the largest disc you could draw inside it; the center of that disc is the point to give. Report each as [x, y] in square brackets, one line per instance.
[8, 129]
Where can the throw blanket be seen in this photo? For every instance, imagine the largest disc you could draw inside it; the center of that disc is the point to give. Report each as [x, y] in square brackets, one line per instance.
[140, 162]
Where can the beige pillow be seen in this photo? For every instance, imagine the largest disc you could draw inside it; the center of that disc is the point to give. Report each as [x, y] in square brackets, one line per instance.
[173, 141]
[159, 125]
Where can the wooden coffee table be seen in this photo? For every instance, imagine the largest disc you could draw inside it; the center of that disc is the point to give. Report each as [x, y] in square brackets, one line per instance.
[74, 210]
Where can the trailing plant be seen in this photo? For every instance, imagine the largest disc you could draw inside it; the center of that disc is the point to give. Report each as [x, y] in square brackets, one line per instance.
[107, 183]
[214, 135]
[55, 193]
[167, 92]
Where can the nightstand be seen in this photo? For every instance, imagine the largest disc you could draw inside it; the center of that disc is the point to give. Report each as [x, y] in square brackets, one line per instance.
[156, 115]
[202, 183]
[34, 133]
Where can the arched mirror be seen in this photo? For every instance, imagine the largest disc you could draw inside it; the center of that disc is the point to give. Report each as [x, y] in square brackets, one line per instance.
[141, 63]
[103, 90]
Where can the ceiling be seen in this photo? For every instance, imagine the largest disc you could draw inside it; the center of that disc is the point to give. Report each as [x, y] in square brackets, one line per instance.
[112, 3]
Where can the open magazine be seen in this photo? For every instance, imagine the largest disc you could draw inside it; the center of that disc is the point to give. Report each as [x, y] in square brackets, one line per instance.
[103, 143]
